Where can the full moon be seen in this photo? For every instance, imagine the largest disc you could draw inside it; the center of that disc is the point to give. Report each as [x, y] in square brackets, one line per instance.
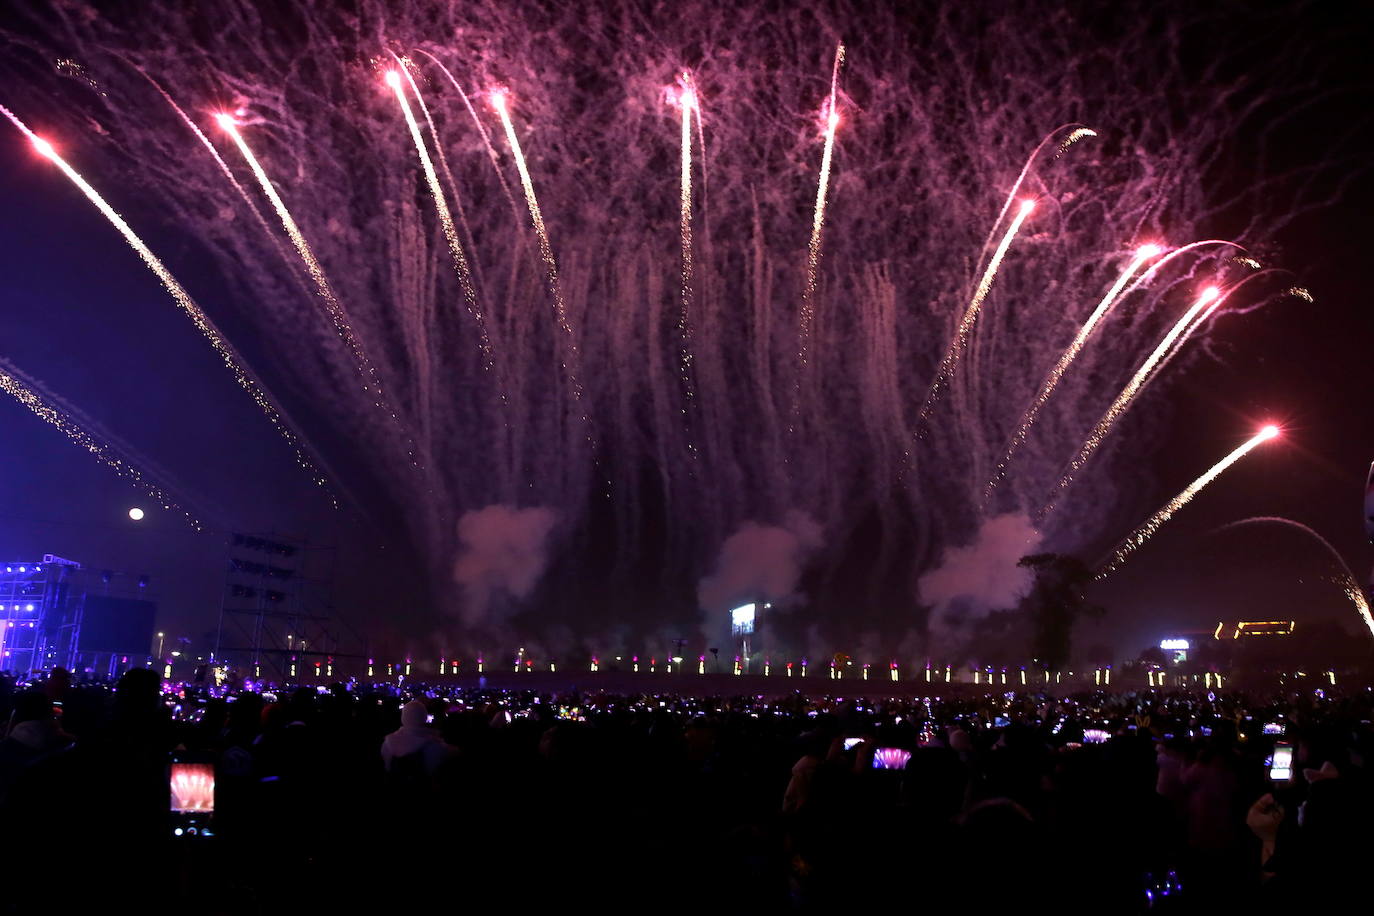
[136, 513]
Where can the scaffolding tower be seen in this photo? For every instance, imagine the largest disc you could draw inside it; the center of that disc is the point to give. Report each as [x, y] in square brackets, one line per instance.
[276, 612]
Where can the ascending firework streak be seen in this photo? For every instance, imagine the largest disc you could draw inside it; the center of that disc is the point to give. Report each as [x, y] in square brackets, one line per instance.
[687, 100]
[1142, 534]
[182, 298]
[560, 307]
[81, 431]
[961, 335]
[1077, 134]
[813, 248]
[1142, 254]
[481, 129]
[455, 246]
[371, 382]
[1179, 332]
[219, 161]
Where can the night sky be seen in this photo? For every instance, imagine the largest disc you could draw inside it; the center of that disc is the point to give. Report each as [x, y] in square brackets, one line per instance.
[84, 316]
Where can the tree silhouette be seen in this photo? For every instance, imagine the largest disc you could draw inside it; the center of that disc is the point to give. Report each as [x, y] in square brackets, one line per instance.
[1055, 602]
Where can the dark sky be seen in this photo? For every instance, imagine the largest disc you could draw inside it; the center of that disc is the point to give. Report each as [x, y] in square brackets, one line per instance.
[83, 315]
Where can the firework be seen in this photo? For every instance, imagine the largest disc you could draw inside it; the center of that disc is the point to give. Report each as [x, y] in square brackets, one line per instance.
[813, 248]
[83, 432]
[1072, 138]
[687, 101]
[371, 383]
[492, 155]
[1209, 296]
[223, 166]
[1142, 534]
[183, 299]
[1143, 254]
[500, 102]
[956, 347]
[455, 245]
[1078, 133]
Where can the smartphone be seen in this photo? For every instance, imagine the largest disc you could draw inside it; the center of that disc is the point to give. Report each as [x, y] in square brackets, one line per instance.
[191, 789]
[1281, 766]
[890, 758]
[1273, 728]
[851, 743]
[1000, 722]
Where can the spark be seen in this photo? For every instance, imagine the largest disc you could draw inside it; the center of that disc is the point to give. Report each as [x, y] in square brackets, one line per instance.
[1248, 262]
[1072, 138]
[183, 299]
[1301, 293]
[371, 382]
[1178, 332]
[500, 102]
[63, 418]
[1166, 512]
[455, 246]
[813, 248]
[1345, 578]
[1143, 254]
[961, 335]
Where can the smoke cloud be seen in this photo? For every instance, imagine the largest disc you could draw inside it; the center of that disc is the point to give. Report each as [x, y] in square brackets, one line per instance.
[979, 578]
[503, 551]
[760, 561]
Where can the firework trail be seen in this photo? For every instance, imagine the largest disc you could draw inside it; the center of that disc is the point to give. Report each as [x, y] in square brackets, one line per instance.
[560, 307]
[371, 381]
[84, 432]
[687, 101]
[455, 245]
[1178, 332]
[1072, 138]
[482, 130]
[183, 300]
[223, 166]
[961, 335]
[1143, 254]
[1078, 133]
[813, 248]
[1143, 533]
[1349, 585]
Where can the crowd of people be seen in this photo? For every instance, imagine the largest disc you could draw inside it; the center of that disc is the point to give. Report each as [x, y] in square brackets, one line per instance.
[1104, 802]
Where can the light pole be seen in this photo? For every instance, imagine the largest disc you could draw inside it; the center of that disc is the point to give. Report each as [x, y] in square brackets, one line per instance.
[160, 637]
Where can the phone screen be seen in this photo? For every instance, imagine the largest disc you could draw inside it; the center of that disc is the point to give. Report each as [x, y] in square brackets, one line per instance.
[193, 788]
[890, 758]
[1281, 770]
[851, 743]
